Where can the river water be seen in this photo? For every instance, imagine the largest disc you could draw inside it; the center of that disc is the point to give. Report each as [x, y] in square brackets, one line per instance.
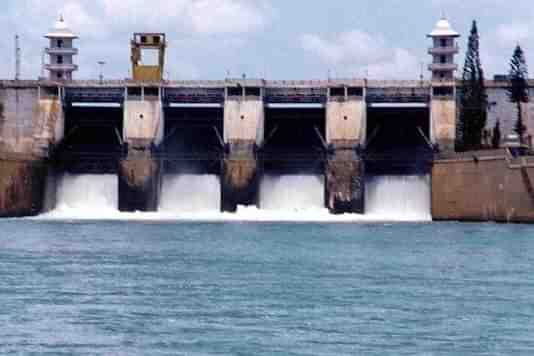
[156, 288]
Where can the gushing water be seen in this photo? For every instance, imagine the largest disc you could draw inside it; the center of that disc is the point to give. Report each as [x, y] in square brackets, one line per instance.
[92, 194]
[292, 193]
[282, 198]
[190, 193]
[398, 197]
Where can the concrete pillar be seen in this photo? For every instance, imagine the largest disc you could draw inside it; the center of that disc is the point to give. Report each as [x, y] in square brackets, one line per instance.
[19, 112]
[26, 132]
[22, 185]
[240, 177]
[139, 181]
[345, 120]
[139, 171]
[345, 125]
[443, 121]
[143, 120]
[49, 129]
[243, 132]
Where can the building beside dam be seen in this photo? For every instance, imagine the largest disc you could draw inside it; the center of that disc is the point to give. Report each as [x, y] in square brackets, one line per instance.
[241, 131]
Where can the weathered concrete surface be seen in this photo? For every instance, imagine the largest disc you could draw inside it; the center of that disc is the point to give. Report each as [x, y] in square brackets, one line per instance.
[49, 129]
[28, 127]
[345, 183]
[243, 131]
[443, 125]
[18, 115]
[139, 183]
[345, 120]
[143, 121]
[491, 188]
[140, 173]
[22, 186]
[240, 176]
[239, 183]
[345, 126]
[244, 120]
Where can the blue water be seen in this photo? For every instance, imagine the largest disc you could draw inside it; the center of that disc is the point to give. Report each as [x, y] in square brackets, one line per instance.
[116, 288]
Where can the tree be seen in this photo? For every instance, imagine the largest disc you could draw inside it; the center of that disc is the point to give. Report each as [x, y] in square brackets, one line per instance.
[518, 91]
[496, 137]
[473, 97]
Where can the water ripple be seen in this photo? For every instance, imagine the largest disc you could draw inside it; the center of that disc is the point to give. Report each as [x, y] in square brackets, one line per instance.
[118, 288]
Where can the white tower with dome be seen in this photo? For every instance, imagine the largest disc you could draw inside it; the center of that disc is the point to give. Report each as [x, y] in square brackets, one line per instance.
[61, 51]
[444, 49]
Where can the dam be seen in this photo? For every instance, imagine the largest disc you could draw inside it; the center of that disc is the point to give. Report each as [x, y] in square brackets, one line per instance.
[340, 145]
[377, 148]
[239, 142]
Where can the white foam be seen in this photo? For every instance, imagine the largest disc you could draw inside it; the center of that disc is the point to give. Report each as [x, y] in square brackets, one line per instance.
[190, 193]
[399, 198]
[89, 195]
[293, 199]
[295, 193]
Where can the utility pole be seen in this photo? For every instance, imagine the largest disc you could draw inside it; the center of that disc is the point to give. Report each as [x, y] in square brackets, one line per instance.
[101, 76]
[17, 58]
[422, 75]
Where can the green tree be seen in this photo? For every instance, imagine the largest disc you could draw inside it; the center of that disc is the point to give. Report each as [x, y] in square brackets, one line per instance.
[518, 91]
[473, 98]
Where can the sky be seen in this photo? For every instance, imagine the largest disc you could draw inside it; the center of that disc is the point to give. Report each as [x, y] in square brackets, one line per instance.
[276, 39]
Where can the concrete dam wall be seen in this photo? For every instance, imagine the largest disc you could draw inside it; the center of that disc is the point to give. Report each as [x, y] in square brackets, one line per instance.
[339, 145]
[483, 187]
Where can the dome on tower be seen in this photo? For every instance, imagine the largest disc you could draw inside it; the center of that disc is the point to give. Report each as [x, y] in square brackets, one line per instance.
[443, 28]
[60, 30]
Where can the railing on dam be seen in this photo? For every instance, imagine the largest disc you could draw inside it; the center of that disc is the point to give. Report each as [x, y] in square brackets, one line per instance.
[193, 95]
[94, 95]
[296, 95]
[398, 95]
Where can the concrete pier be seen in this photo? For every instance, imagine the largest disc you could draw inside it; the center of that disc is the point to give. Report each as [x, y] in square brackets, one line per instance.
[240, 178]
[345, 128]
[139, 182]
[345, 182]
[140, 173]
[243, 133]
[23, 154]
[22, 186]
[443, 116]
